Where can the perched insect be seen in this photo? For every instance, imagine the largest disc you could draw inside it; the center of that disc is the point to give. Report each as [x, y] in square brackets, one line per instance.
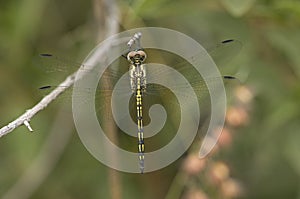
[138, 84]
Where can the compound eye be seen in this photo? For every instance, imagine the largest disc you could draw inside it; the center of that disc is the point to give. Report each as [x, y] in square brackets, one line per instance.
[131, 55]
[142, 55]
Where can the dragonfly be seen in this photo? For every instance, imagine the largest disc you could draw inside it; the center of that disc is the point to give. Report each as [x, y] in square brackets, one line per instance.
[140, 77]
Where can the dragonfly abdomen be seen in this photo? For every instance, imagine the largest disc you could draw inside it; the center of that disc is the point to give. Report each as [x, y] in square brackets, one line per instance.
[139, 108]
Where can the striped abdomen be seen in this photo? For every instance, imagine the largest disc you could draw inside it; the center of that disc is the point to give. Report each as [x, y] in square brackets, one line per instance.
[141, 145]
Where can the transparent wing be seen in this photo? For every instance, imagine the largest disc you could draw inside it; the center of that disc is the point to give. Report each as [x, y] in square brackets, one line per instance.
[163, 85]
[221, 53]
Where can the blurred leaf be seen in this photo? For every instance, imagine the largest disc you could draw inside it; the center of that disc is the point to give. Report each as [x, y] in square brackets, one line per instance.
[293, 149]
[291, 7]
[288, 43]
[237, 7]
[167, 8]
[282, 115]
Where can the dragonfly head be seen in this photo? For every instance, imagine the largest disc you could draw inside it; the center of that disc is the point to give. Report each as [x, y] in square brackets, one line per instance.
[138, 56]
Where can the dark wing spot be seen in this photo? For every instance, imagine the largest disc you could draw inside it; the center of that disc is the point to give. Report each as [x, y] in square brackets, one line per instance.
[229, 77]
[45, 87]
[46, 55]
[227, 41]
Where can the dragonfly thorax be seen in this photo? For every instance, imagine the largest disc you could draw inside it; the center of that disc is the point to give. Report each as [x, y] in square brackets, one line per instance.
[137, 70]
[137, 75]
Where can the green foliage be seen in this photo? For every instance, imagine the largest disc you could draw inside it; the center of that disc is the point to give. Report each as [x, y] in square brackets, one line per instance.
[236, 7]
[264, 155]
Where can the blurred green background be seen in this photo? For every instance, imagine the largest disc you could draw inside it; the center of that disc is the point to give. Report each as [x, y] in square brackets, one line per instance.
[258, 155]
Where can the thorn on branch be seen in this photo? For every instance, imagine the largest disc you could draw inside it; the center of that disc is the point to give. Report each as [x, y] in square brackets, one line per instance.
[26, 123]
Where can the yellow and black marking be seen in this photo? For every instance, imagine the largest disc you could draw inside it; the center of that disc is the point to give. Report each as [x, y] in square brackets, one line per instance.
[141, 145]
